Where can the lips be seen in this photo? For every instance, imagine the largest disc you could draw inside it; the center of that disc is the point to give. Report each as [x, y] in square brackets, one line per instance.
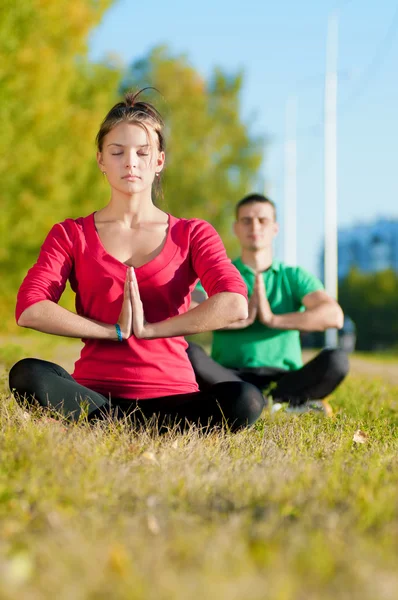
[131, 177]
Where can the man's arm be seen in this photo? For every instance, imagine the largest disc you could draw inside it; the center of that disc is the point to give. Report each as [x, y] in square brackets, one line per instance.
[198, 296]
[321, 312]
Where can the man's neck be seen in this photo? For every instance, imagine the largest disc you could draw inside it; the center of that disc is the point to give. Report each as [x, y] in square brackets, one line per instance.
[258, 260]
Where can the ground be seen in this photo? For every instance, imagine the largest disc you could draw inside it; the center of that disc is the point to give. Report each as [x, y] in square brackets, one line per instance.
[297, 508]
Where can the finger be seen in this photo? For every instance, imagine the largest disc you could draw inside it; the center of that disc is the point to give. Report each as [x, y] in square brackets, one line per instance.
[135, 285]
[132, 277]
[132, 290]
[126, 286]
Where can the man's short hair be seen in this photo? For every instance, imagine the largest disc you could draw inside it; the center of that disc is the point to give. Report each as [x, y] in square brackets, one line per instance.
[251, 199]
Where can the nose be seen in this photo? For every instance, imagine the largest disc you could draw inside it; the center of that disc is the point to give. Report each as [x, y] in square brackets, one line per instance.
[131, 159]
[255, 225]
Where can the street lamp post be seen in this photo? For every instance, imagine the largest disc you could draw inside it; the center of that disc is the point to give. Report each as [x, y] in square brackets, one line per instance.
[290, 216]
[331, 272]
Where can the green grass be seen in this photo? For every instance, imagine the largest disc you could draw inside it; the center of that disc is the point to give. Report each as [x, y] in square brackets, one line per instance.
[292, 509]
[381, 356]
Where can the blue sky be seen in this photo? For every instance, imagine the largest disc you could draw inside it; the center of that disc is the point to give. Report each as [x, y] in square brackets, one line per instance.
[281, 47]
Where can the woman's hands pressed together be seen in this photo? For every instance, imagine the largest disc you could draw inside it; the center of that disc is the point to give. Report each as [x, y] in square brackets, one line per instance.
[141, 329]
[131, 319]
[205, 317]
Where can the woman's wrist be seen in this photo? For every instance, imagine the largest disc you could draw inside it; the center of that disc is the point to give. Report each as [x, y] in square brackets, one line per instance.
[119, 335]
[110, 332]
[149, 332]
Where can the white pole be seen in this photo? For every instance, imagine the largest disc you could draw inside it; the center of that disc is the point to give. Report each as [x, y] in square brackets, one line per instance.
[331, 169]
[290, 217]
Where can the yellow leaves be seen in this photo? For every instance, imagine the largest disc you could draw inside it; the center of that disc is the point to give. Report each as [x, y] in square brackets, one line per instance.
[27, 200]
[69, 22]
[360, 437]
[26, 56]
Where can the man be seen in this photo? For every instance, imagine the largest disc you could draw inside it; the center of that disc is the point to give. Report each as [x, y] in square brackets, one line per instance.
[265, 349]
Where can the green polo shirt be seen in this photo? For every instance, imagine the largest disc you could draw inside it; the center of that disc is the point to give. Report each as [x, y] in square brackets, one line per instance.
[258, 345]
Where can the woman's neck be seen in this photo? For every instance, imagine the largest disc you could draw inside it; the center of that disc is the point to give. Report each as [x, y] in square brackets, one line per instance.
[130, 209]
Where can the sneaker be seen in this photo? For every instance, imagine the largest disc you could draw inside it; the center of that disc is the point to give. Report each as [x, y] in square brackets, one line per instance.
[320, 406]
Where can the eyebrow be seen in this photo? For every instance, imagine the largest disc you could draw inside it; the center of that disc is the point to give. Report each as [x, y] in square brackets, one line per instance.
[255, 217]
[122, 145]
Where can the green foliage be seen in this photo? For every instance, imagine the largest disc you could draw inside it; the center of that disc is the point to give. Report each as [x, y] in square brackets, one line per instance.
[371, 302]
[53, 100]
[211, 157]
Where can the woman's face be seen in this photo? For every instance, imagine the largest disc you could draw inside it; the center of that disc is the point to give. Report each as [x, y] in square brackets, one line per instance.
[130, 158]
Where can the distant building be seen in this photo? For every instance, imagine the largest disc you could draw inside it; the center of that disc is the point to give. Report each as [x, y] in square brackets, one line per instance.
[369, 248]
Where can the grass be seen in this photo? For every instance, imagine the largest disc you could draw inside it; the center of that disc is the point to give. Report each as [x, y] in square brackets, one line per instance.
[381, 357]
[291, 509]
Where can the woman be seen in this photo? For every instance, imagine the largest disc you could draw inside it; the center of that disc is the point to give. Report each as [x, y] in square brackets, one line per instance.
[132, 267]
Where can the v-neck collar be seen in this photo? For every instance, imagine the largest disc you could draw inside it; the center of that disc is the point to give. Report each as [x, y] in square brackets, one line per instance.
[144, 271]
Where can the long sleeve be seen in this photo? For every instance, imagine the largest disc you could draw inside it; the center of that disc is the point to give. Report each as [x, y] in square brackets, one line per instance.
[47, 278]
[211, 263]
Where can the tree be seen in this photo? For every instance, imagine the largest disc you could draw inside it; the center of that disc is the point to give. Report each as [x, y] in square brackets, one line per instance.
[53, 100]
[211, 157]
[371, 302]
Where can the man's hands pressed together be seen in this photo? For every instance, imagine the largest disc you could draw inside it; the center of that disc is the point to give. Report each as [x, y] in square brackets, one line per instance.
[264, 312]
[321, 312]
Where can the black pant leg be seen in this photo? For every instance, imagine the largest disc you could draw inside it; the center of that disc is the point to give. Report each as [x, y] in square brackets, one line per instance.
[315, 380]
[234, 402]
[53, 387]
[264, 378]
[240, 403]
[207, 371]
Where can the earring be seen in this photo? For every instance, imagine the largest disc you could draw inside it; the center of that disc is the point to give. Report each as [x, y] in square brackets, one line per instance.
[157, 174]
[104, 172]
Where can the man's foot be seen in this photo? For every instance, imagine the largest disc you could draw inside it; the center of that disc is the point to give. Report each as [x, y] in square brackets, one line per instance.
[320, 406]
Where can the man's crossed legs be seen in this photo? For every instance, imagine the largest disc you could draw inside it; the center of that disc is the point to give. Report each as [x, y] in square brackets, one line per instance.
[314, 381]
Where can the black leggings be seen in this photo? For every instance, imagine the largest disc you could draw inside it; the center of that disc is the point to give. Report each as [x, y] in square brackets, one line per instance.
[315, 380]
[237, 403]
